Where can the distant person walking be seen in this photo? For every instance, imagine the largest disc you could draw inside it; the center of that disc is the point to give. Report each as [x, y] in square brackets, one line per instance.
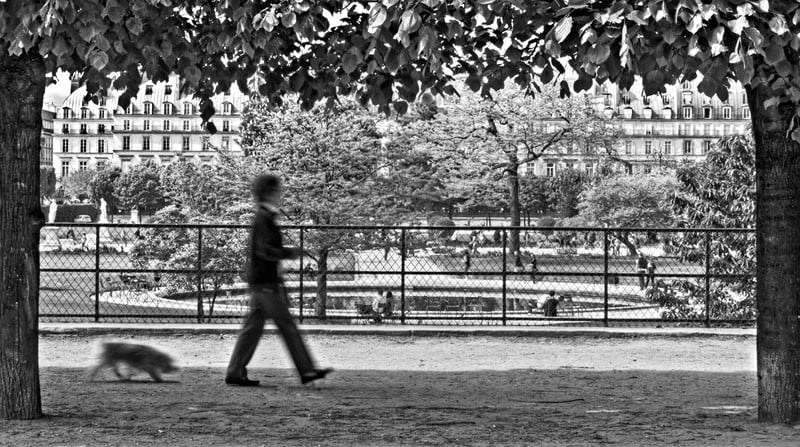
[467, 261]
[534, 268]
[641, 270]
[651, 274]
[268, 298]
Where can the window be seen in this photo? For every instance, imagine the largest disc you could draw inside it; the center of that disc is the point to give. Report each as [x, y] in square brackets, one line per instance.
[187, 108]
[84, 113]
[101, 128]
[726, 113]
[550, 170]
[628, 169]
[707, 113]
[648, 147]
[626, 98]
[166, 125]
[687, 99]
[646, 100]
[227, 108]
[148, 108]
[746, 112]
[126, 143]
[185, 125]
[101, 101]
[101, 114]
[706, 146]
[145, 143]
[687, 113]
[129, 109]
[146, 125]
[168, 108]
[706, 129]
[65, 128]
[64, 145]
[101, 164]
[64, 168]
[226, 126]
[167, 89]
[165, 143]
[686, 85]
[226, 142]
[101, 146]
[185, 144]
[83, 144]
[66, 113]
[667, 147]
[126, 125]
[83, 165]
[665, 99]
[687, 147]
[206, 143]
[148, 89]
[628, 147]
[84, 130]
[588, 168]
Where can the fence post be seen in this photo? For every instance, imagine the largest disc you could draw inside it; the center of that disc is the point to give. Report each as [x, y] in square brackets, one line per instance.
[302, 255]
[505, 271]
[403, 276]
[199, 274]
[707, 277]
[96, 273]
[605, 277]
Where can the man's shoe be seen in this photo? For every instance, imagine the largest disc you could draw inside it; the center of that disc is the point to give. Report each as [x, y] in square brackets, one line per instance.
[241, 381]
[315, 375]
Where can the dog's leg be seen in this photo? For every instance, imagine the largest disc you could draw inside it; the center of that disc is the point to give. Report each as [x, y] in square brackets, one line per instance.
[154, 373]
[121, 376]
[93, 371]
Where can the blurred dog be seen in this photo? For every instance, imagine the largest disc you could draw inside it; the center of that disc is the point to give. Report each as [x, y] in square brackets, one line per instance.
[141, 357]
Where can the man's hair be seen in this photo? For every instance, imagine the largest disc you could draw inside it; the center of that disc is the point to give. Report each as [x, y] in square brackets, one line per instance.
[265, 184]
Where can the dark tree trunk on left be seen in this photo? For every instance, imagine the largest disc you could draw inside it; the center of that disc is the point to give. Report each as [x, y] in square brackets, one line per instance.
[22, 83]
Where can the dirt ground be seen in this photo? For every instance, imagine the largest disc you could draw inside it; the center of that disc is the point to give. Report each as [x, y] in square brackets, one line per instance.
[438, 391]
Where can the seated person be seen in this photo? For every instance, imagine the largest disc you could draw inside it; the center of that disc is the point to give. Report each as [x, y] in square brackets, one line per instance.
[383, 305]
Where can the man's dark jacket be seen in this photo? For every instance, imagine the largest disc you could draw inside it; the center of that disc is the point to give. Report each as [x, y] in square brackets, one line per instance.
[266, 249]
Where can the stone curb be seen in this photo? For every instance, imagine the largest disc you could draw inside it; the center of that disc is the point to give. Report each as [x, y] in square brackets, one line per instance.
[396, 331]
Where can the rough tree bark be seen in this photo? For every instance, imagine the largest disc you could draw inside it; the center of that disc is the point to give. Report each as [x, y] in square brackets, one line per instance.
[777, 256]
[22, 84]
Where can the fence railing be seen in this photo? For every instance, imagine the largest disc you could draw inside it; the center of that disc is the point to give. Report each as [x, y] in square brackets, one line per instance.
[436, 275]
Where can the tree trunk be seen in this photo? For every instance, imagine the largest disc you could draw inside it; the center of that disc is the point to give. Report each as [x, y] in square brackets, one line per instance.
[623, 237]
[513, 205]
[778, 258]
[213, 302]
[22, 83]
[322, 283]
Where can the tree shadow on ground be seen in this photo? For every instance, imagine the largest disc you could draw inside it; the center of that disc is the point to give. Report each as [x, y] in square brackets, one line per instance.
[356, 407]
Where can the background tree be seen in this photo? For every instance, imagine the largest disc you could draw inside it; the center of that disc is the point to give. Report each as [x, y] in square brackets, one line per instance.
[642, 200]
[720, 193]
[140, 188]
[493, 138]
[77, 185]
[103, 186]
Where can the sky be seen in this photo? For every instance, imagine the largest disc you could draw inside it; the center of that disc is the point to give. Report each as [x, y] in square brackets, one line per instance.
[58, 92]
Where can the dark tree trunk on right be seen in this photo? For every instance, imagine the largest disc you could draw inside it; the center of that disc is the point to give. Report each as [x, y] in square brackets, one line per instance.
[778, 259]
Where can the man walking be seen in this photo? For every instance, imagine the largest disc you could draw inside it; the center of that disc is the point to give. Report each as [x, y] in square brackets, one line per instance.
[641, 270]
[268, 298]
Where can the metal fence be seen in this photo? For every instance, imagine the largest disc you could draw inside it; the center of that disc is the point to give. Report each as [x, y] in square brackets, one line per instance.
[436, 275]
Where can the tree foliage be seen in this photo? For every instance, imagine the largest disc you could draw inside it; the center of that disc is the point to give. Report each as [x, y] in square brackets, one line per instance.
[47, 182]
[103, 186]
[140, 188]
[77, 185]
[641, 200]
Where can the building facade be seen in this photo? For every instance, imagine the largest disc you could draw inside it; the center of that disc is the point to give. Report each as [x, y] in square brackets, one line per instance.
[161, 125]
[657, 130]
[46, 142]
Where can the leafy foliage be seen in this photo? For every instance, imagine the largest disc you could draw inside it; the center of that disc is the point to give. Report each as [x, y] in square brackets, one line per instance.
[47, 182]
[140, 188]
[103, 186]
[77, 185]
